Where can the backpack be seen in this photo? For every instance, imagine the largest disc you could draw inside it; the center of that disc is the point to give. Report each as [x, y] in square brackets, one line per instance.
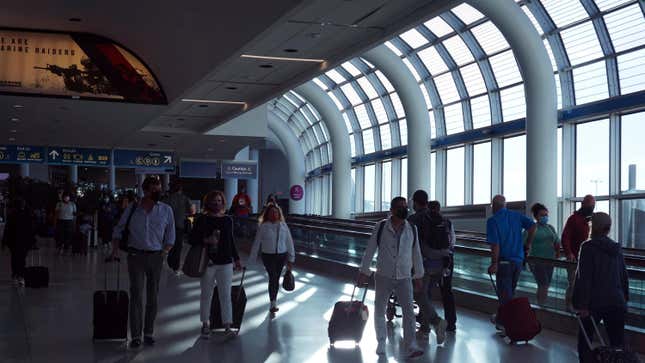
[435, 231]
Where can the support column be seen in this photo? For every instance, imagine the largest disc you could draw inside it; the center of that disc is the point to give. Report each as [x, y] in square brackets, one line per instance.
[230, 189]
[295, 158]
[252, 184]
[140, 178]
[416, 114]
[112, 175]
[540, 93]
[25, 170]
[341, 152]
[165, 180]
[73, 174]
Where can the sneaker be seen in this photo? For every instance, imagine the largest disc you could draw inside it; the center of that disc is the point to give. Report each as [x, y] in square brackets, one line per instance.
[440, 331]
[380, 348]
[177, 272]
[229, 334]
[414, 353]
[206, 332]
[149, 341]
[274, 309]
[135, 343]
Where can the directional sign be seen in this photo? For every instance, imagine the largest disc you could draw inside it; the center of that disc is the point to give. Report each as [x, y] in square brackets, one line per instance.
[142, 159]
[78, 156]
[22, 154]
[239, 169]
[206, 169]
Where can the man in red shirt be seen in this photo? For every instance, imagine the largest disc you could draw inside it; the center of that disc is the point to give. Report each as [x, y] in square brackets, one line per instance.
[576, 231]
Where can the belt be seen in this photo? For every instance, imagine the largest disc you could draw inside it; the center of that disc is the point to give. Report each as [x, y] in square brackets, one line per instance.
[135, 250]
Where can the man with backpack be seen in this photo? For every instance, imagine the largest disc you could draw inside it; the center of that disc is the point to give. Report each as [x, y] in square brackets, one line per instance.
[437, 241]
[398, 254]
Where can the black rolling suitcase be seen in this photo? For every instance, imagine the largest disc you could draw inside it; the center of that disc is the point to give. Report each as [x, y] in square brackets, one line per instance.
[605, 353]
[348, 319]
[111, 309]
[79, 244]
[238, 299]
[36, 276]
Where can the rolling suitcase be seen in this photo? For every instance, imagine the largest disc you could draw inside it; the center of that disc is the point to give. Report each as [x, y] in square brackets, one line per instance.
[605, 353]
[36, 276]
[79, 244]
[111, 309]
[348, 319]
[518, 318]
[238, 299]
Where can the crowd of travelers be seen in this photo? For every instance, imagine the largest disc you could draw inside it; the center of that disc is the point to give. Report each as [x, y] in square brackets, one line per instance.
[415, 253]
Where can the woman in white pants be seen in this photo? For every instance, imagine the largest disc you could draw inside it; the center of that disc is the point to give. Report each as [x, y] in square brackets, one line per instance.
[274, 239]
[215, 229]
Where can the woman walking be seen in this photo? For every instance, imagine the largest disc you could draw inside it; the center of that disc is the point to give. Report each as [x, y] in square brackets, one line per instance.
[274, 239]
[546, 244]
[20, 237]
[214, 229]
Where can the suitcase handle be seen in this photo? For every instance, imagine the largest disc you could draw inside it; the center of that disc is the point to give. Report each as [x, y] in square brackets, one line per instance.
[584, 331]
[239, 293]
[492, 281]
[117, 261]
[364, 292]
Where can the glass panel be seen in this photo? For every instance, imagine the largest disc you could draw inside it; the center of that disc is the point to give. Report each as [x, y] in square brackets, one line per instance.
[349, 67]
[353, 200]
[592, 158]
[458, 50]
[564, 12]
[370, 182]
[446, 88]
[513, 103]
[336, 101]
[386, 82]
[473, 79]
[626, 27]
[631, 70]
[386, 137]
[351, 94]
[368, 141]
[433, 175]
[426, 97]
[559, 157]
[489, 37]
[403, 130]
[467, 13]
[632, 156]
[379, 110]
[432, 60]
[412, 69]
[481, 173]
[404, 177]
[433, 125]
[321, 84]
[608, 4]
[347, 123]
[590, 82]
[581, 43]
[505, 69]
[454, 119]
[335, 76]
[549, 51]
[414, 38]
[352, 144]
[398, 107]
[438, 27]
[367, 87]
[393, 48]
[455, 177]
[480, 110]
[515, 168]
[536, 25]
[632, 223]
[386, 185]
[362, 116]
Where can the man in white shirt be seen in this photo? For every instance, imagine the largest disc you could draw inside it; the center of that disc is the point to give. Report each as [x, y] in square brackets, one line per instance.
[398, 254]
[65, 215]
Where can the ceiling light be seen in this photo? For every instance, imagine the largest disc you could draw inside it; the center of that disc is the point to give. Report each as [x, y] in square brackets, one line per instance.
[12, 139]
[290, 50]
[76, 97]
[14, 131]
[75, 20]
[210, 149]
[232, 88]
[265, 66]
[180, 119]
[167, 136]
[18, 106]
[288, 59]
[213, 101]
[15, 119]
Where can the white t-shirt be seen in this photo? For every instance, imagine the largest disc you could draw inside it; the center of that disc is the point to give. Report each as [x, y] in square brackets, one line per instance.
[66, 211]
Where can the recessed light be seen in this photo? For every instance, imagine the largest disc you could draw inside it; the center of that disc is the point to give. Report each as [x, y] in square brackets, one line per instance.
[290, 50]
[265, 66]
[226, 102]
[75, 20]
[232, 88]
[18, 106]
[180, 119]
[287, 59]
[13, 131]
[210, 149]
[15, 119]
[167, 136]
[12, 139]
[203, 106]
[76, 97]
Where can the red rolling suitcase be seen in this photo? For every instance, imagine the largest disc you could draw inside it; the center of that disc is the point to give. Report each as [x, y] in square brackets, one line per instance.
[348, 319]
[518, 318]
[111, 310]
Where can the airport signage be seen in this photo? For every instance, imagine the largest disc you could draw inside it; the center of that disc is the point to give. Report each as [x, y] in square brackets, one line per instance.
[296, 192]
[22, 154]
[239, 169]
[204, 169]
[78, 156]
[144, 159]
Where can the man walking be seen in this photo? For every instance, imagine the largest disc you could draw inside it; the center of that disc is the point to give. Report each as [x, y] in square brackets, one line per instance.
[576, 231]
[181, 206]
[151, 234]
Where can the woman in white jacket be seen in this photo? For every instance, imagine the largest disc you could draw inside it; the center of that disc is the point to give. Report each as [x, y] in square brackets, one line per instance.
[274, 239]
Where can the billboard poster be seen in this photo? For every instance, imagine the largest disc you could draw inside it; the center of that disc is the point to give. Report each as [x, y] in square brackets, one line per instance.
[73, 65]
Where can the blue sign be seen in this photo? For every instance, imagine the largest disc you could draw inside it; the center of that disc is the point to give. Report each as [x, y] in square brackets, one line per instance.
[22, 154]
[78, 156]
[239, 169]
[198, 169]
[142, 159]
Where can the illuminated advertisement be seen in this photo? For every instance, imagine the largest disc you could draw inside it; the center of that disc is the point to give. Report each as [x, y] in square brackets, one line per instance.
[73, 65]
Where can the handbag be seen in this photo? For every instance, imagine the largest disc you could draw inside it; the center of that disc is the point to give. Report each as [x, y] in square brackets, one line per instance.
[288, 281]
[125, 235]
[196, 261]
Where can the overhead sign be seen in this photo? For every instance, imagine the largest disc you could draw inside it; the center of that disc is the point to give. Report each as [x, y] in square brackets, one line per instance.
[78, 156]
[239, 169]
[74, 65]
[198, 169]
[142, 159]
[22, 154]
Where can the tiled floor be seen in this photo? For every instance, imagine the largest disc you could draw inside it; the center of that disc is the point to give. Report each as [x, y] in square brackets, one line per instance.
[55, 324]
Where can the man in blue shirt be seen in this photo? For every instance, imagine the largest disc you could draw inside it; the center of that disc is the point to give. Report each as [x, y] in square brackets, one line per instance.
[151, 236]
[504, 234]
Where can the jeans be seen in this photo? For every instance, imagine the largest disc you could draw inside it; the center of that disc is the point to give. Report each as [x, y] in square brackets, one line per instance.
[174, 256]
[508, 273]
[64, 233]
[274, 263]
[222, 276]
[384, 286]
[143, 266]
[614, 321]
[423, 298]
[447, 297]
